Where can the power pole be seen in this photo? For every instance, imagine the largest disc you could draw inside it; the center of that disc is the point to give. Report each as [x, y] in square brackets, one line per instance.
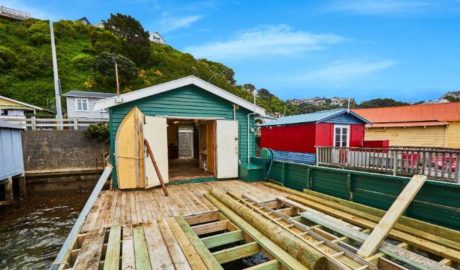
[57, 89]
[116, 75]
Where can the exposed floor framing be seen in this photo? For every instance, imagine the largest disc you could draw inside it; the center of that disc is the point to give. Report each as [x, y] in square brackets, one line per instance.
[217, 225]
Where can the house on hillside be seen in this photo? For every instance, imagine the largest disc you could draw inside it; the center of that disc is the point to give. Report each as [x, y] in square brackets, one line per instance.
[84, 21]
[196, 130]
[302, 133]
[12, 110]
[156, 37]
[424, 125]
[80, 104]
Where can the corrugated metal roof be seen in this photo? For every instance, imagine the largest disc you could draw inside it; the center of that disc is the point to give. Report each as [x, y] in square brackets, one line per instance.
[447, 112]
[88, 94]
[310, 117]
[4, 124]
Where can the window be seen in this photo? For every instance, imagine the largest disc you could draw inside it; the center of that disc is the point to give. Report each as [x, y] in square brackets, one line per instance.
[82, 104]
[341, 136]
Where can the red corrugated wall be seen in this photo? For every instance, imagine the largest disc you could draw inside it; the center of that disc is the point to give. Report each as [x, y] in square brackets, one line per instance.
[292, 138]
[304, 137]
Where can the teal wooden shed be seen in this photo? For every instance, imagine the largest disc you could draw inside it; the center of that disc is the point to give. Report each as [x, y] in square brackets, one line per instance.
[197, 130]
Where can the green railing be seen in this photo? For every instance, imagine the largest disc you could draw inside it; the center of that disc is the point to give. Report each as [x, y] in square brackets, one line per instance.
[436, 202]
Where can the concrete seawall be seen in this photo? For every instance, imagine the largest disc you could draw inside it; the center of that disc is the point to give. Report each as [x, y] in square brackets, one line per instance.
[61, 160]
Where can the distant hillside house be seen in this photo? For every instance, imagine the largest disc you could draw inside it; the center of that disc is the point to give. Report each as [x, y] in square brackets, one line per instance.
[84, 21]
[453, 94]
[15, 109]
[424, 125]
[80, 104]
[156, 37]
[14, 14]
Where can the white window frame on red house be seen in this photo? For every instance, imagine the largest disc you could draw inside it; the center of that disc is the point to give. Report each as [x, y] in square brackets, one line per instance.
[340, 141]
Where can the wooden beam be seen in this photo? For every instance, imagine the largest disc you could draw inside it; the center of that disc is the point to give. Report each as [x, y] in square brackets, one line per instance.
[190, 253]
[277, 252]
[202, 218]
[200, 248]
[349, 230]
[447, 237]
[431, 246]
[270, 265]
[211, 227]
[238, 252]
[141, 252]
[222, 239]
[112, 257]
[398, 207]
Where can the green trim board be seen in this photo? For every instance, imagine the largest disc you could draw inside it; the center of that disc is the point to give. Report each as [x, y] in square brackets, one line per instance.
[436, 202]
[189, 101]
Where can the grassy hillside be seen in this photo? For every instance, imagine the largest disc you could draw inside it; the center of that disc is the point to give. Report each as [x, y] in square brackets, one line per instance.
[26, 68]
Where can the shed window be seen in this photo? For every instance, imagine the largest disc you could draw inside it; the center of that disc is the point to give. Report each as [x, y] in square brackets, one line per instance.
[82, 104]
[341, 135]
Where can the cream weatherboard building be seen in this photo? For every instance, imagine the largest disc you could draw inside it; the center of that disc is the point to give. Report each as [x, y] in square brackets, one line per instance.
[424, 125]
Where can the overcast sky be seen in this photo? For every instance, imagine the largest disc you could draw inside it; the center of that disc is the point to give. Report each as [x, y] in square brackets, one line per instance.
[402, 49]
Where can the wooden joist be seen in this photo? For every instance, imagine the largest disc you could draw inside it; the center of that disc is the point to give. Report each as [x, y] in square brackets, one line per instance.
[270, 265]
[274, 250]
[238, 252]
[400, 205]
[189, 251]
[211, 227]
[430, 246]
[200, 248]
[444, 236]
[348, 230]
[223, 239]
[303, 252]
[91, 251]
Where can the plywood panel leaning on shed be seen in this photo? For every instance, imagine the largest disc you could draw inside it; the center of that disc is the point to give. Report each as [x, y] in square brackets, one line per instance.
[129, 151]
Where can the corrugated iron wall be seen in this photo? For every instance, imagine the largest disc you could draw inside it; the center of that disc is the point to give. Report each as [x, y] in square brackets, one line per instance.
[11, 160]
[436, 202]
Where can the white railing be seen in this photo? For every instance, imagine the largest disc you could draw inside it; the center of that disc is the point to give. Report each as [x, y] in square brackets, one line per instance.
[437, 163]
[34, 123]
[13, 13]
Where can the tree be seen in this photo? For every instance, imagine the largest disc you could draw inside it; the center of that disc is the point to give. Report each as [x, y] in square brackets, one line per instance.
[381, 102]
[249, 87]
[136, 44]
[104, 64]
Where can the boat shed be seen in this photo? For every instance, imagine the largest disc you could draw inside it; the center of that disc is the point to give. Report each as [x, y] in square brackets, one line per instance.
[12, 163]
[302, 133]
[195, 129]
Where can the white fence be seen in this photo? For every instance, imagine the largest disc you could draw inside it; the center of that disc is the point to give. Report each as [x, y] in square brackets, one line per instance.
[437, 163]
[34, 123]
[14, 13]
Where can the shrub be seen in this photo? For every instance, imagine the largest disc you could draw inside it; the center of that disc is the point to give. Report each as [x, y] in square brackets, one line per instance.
[7, 58]
[99, 132]
[127, 69]
[83, 61]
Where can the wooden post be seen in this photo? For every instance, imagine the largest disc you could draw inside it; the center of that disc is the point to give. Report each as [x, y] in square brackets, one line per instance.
[391, 216]
[33, 122]
[22, 186]
[395, 162]
[75, 123]
[457, 168]
[9, 190]
[157, 170]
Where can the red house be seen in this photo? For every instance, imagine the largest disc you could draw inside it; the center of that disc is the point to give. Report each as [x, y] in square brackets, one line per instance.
[302, 133]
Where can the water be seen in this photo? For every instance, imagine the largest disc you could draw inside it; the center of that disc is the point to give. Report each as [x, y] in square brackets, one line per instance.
[33, 231]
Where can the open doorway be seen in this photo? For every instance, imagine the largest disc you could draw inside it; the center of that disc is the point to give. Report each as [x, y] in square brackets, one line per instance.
[191, 149]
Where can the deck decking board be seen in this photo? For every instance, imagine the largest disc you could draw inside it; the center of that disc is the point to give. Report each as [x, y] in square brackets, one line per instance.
[150, 214]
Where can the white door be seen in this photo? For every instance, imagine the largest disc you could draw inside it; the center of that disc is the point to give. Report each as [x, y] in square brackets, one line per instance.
[227, 148]
[155, 132]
